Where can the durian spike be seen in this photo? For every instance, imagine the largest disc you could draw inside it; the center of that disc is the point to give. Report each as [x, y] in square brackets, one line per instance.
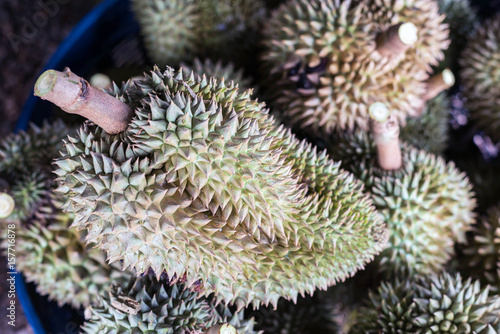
[75, 95]
[6, 205]
[397, 39]
[438, 83]
[385, 130]
[221, 329]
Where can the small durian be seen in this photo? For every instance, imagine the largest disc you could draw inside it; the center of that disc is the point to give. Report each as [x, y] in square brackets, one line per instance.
[218, 70]
[429, 132]
[462, 19]
[426, 203]
[326, 61]
[203, 183]
[151, 305]
[431, 304]
[54, 257]
[179, 30]
[482, 254]
[480, 76]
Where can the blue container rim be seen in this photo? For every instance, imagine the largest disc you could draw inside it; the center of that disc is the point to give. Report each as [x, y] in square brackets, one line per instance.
[22, 124]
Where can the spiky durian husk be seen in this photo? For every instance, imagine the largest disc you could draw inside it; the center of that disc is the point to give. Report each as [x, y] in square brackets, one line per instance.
[168, 28]
[203, 184]
[390, 310]
[218, 70]
[26, 151]
[462, 20]
[54, 257]
[177, 30]
[432, 304]
[482, 254]
[429, 132]
[29, 191]
[481, 76]
[427, 204]
[321, 61]
[162, 307]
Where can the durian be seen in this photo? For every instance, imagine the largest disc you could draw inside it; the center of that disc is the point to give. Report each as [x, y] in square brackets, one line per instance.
[218, 70]
[481, 76]
[148, 305]
[324, 67]
[432, 304]
[54, 257]
[179, 30]
[429, 132]
[427, 204]
[203, 184]
[482, 253]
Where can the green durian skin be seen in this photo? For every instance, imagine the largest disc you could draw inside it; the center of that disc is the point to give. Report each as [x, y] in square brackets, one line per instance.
[480, 76]
[427, 204]
[481, 258]
[430, 304]
[218, 70]
[164, 308]
[204, 184]
[429, 132]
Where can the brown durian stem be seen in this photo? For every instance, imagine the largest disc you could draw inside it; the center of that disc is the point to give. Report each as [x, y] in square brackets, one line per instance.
[397, 39]
[75, 95]
[221, 329]
[438, 83]
[385, 130]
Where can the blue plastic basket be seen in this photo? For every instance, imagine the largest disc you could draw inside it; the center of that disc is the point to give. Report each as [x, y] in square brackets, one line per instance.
[86, 48]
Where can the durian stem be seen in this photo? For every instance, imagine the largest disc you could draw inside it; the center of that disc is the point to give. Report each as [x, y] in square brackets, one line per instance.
[7, 205]
[221, 329]
[385, 130]
[397, 39]
[438, 83]
[75, 95]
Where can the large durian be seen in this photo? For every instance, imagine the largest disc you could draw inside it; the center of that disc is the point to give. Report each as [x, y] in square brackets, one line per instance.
[324, 67]
[178, 30]
[432, 304]
[429, 132]
[148, 305]
[482, 253]
[481, 76]
[202, 183]
[427, 203]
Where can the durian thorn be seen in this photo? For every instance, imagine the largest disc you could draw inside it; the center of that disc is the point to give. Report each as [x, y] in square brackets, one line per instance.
[7, 205]
[397, 39]
[75, 95]
[438, 83]
[385, 130]
[221, 329]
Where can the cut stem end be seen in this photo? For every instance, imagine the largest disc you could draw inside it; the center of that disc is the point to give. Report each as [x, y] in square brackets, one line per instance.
[385, 130]
[7, 205]
[397, 39]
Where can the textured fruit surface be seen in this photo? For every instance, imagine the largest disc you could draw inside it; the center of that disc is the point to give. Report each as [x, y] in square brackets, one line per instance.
[323, 67]
[203, 184]
[427, 204]
[480, 76]
[482, 254]
[218, 70]
[148, 305]
[429, 132]
[432, 304]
